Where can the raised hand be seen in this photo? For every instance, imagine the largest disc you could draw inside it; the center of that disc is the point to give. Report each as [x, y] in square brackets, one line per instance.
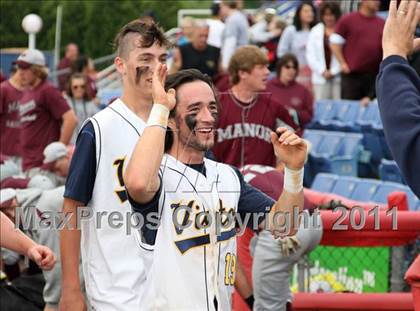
[398, 35]
[289, 148]
[160, 96]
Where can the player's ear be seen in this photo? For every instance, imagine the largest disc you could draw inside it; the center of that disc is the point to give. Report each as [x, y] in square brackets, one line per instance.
[119, 65]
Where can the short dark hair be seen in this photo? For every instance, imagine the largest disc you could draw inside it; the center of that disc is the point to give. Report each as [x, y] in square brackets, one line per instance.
[79, 64]
[296, 19]
[333, 6]
[174, 81]
[149, 31]
[284, 60]
[77, 75]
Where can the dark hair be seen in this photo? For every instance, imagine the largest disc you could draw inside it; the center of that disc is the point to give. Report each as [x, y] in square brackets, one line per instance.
[284, 60]
[174, 81]
[230, 3]
[79, 64]
[296, 19]
[332, 6]
[149, 31]
[215, 9]
[77, 75]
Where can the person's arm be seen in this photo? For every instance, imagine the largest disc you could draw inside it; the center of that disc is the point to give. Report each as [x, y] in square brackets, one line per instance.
[78, 192]
[316, 64]
[398, 91]
[141, 177]
[229, 46]
[307, 111]
[57, 105]
[243, 286]
[259, 33]
[69, 124]
[17, 241]
[177, 61]
[285, 42]
[337, 49]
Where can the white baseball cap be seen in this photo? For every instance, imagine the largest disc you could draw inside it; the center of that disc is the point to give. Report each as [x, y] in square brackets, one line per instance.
[54, 151]
[7, 194]
[41, 182]
[31, 57]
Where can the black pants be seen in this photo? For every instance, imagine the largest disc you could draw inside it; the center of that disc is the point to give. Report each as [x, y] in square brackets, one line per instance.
[358, 85]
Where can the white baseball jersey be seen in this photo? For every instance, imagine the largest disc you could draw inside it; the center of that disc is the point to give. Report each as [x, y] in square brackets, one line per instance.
[193, 266]
[113, 264]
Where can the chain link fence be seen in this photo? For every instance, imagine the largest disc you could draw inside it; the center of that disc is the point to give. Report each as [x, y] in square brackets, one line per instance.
[355, 269]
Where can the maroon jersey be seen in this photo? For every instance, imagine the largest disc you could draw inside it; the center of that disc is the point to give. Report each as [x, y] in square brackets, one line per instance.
[41, 112]
[243, 134]
[9, 119]
[294, 97]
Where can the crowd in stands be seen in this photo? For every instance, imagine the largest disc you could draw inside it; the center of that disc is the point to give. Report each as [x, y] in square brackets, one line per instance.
[268, 73]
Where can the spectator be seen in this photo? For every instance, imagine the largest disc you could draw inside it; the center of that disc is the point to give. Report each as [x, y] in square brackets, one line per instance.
[357, 45]
[295, 38]
[236, 30]
[78, 99]
[45, 114]
[71, 54]
[398, 88]
[198, 54]
[324, 65]
[187, 28]
[259, 32]
[292, 95]
[277, 25]
[216, 26]
[10, 94]
[84, 65]
[247, 114]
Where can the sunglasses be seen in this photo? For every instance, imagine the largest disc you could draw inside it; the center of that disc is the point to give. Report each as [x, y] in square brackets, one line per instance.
[80, 86]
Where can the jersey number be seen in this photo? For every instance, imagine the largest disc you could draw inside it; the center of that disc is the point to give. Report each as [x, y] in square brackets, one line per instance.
[230, 268]
[120, 191]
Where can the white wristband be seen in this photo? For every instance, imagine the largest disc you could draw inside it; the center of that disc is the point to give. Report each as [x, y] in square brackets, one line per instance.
[293, 180]
[158, 116]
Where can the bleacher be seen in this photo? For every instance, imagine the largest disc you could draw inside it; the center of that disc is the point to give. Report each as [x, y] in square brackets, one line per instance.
[349, 155]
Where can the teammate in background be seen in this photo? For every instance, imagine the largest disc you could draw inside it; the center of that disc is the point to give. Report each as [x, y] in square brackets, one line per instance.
[17, 241]
[113, 265]
[11, 91]
[248, 113]
[193, 267]
[45, 115]
[398, 88]
[273, 260]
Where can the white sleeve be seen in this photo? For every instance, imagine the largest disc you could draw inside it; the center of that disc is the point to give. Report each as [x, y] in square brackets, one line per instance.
[316, 65]
[335, 38]
[228, 49]
[285, 43]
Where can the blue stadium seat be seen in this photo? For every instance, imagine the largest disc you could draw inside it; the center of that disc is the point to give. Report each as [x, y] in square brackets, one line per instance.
[384, 189]
[324, 182]
[324, 110]
[413, 201]
[344, 186]
[389, 171]
[365, 189]
[346, 113]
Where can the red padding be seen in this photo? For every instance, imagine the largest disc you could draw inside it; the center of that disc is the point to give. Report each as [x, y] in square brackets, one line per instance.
[347, 301]
[413, 278]
[407, 224]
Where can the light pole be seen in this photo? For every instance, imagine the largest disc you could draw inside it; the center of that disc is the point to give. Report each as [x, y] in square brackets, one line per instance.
[32, 24]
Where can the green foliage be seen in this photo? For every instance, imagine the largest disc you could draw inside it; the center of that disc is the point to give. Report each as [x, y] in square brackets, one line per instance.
[92, 24]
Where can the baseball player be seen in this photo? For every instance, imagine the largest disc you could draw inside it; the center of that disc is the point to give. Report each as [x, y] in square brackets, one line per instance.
[113, 267]
[194, 258]
[273, 260]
